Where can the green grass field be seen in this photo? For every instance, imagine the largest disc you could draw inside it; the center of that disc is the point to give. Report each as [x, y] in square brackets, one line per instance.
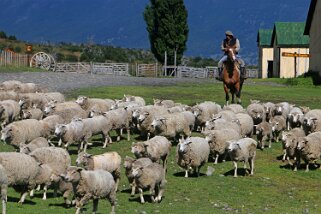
[274, 188]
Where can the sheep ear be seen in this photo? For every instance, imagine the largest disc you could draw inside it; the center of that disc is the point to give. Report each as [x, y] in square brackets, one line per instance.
[87, 155]
[79, 169]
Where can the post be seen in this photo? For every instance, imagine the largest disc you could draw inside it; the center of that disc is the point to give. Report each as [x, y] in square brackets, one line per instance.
[175, 63]
[295, 69]
[165, 63]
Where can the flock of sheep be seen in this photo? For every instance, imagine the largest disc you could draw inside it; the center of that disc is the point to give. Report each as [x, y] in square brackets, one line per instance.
[31, 120]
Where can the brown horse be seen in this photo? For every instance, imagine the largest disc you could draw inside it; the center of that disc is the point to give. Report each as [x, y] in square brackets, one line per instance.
[231, 77]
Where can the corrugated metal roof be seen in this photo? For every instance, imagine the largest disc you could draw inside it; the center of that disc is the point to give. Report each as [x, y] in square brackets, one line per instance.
[264, 37]
[290, 34]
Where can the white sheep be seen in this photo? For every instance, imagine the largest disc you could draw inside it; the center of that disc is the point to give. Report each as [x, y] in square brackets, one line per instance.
[3, 188]
[223, 124]
[290, 143]
[165, 103]
[43, 178]
[150, 177]
[257, 112]
[243, 150]
[310, 148]
[34, 144]
[9, 95]
[218, 141]
[171, 126]
[129, 165]
[21, 170]
[269, 109]
[312, 121]
[246, 124]
[9, 85]
[62, 186]
[9, 112]
[204, 111]
[88, 104]
[139, 100]
[282, 108]
[32, 113]
[278, 124]
[109, 161]
[94, 185]
[236, 108]
[294, 118]
[192, 153]
[157, 148]
[23, 131]
[264, 133]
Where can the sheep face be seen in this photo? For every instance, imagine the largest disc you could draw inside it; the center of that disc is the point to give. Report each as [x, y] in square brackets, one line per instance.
[302, 143]
[82, 158]
[22, 102]
[257, 115]
[143, 116]
[24, 149]
[136, 114]
[49, 108]
[26, 114]
[183, 146]
[60, 129]
[137, 172]
[138, 149]
[310, 122]
[197, 112]
[73, 174]
[81, 100]
[6, 134]
[158, 122]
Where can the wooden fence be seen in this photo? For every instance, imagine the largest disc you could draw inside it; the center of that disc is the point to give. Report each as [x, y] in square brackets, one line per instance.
[14, 59]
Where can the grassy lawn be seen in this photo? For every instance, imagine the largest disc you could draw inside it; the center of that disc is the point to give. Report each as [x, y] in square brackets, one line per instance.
[274, 188]
[14, 69]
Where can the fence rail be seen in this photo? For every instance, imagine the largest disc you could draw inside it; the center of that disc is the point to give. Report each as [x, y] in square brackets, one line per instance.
[15, 59]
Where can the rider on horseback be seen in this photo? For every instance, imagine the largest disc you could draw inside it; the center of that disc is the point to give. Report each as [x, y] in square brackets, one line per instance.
[228, 42]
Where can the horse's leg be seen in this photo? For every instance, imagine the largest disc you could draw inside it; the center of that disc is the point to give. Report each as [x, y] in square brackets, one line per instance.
[233, 97]
[227, 97]
[238, 93]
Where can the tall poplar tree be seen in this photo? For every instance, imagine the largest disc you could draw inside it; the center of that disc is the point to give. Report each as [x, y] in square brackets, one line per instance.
[168, 29]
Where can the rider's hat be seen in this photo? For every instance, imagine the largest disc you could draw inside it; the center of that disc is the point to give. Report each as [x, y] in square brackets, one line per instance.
[229, 33]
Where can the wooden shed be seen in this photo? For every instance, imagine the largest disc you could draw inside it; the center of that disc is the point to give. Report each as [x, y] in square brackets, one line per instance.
[265, 63]
[290, 49]
[312, 29]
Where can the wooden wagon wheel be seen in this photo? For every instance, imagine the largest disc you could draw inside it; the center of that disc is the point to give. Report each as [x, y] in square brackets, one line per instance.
[44, 61]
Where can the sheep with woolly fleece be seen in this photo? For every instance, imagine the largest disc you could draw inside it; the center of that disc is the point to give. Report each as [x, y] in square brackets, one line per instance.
[27, 88]
[32, 113]
[257, 112]
[67, 110]
[32, 100]
[218, 141]
[109, 161]
[43, 178]
[190, 118]
[97, 125]
[236, 108]
[139, 100]
[157, 148]
[151, 177]
[310, 148]
[129, 165]
[21, 170]
[9, 112]
[145, 117]
[119, 120]
[3, 188]
[312, 121]
[171, 126]
[56, 97]
[278, 124]
[204, 111]
[294, 118]
[246, 123]
[23, 131]
[94, 185]
[243, 150]
[9, 95]
[263, 133]
[62, 186]
[36, 143]
[9, 85]
[71, 133]
[192, 153]
[269, 108]
[290, 143]
[282, 108]
[57, 158]
[165, 103]
[228, 115]
[87, 103]
[222, 124]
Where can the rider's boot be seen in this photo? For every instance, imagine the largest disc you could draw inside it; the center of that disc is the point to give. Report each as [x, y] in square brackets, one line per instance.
[220, 74]
[243, 73]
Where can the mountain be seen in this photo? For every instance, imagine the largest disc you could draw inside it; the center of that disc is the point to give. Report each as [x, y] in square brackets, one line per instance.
[120, 22]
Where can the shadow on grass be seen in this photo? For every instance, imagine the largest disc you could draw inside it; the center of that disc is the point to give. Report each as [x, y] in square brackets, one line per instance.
[190, 175]
[240, 172]
[12, 199]
[147, 199]
[301, 167]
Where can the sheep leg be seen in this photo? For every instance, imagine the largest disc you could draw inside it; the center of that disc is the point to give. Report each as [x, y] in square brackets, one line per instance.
[32, 192]
[23, 197]
[186, 173]
[4, 188]
[141, 195]
[45, 188]
[38, 189]
[216, 159]
[59, 142]
[235, 169]
[128, 134]
[112, 199]
[284, 155]
[65, 196]
[307, 167]
[133, 188]
[4, 206]
[152, 192]
[78, 210]
[252, 166]
[95, 201]
[106, 141]
[246, 172]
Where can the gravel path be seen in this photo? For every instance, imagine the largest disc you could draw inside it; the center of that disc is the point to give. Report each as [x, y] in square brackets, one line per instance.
[64, 82]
